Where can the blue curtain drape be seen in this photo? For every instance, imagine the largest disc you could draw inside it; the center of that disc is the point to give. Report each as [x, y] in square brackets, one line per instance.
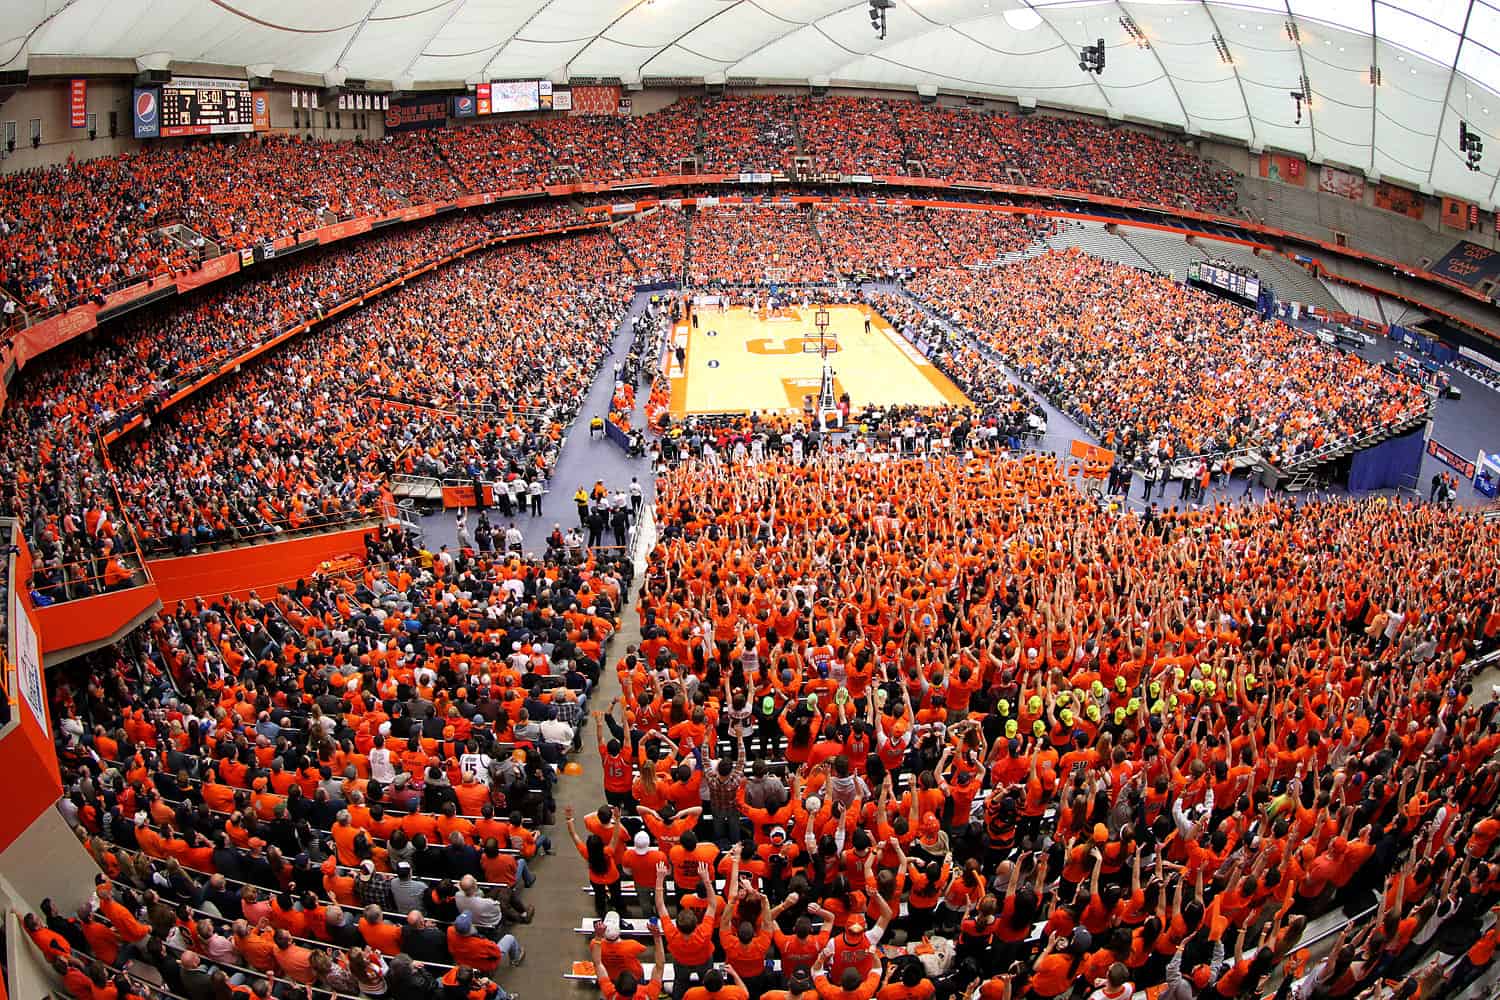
[1394, 462]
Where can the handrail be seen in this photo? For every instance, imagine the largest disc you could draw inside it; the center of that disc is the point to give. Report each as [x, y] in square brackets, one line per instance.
[311, 942]
[233, 967]
[1318, 454]
[220, 812]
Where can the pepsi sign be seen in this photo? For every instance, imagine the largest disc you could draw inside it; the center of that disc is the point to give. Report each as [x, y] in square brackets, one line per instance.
[145, 112]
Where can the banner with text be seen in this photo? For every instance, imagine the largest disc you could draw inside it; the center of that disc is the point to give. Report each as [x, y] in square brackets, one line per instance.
[1469, 264]
[1451, 458]
[78, 111]
[407, 114]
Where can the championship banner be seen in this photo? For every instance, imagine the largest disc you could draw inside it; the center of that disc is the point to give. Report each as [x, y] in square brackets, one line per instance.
[1286, 169]
[1457, 215]
[1451, 458]
[78, 112]
[596, 100]
[1400, 200]
[1332, 180]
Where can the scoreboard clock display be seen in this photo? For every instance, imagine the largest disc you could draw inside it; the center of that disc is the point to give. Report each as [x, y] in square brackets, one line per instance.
[1226, 280]
[197, 106]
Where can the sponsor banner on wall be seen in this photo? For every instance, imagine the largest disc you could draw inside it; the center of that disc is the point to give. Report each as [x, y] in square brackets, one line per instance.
[562, 100]
[407, 114]
[1399, 199]
[463, 106]
[145, 112]
[260, 110]
[212, 270]
[78, 110]
[1332, 180]
[340, 230]
[43, 336]
[1451, 458]
[29, 663]
[1286, 169]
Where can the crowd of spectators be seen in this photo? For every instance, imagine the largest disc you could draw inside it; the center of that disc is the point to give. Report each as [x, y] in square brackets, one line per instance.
[997, 401]
[504, 156]
[474, 370]
[951, 142]
[609, 147]
[344, 786]
[749, 133]
[877, 242]
[982, 237]
[74, 231]
[53, 481]
[656, 242]
[1080, 154]
[1160, 370]
[77, 230]
[849, 135]
[943, 728]
[756, 244]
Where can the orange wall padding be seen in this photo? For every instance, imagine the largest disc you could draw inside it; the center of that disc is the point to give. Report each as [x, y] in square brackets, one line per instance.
[32, 782]
[238, 571]
[91, 619]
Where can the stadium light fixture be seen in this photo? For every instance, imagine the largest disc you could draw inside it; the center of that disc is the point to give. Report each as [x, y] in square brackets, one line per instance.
[1091, 58]
[878, 11]
[1470, 145]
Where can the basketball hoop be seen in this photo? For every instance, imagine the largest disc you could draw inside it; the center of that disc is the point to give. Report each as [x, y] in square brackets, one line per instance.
[826, 400]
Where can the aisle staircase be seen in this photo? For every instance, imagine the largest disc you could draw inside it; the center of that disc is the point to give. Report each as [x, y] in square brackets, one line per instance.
[1096, 241]
[687, 247]
[1168, 253]
[620, 244]
[822, 244]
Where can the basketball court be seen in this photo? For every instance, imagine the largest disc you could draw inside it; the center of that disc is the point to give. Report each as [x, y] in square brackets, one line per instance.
[741, 359]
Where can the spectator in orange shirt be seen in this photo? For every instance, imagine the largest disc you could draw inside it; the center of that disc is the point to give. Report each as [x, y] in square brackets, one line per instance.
[627, 985]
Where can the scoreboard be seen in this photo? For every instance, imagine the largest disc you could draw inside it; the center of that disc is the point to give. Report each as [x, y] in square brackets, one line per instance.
[198, 106]
[1225, 280]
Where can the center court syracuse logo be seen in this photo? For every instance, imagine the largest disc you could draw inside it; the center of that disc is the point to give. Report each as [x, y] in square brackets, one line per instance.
[146, 124]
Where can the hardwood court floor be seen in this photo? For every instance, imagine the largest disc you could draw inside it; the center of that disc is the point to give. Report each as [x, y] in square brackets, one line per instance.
[738, 362]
